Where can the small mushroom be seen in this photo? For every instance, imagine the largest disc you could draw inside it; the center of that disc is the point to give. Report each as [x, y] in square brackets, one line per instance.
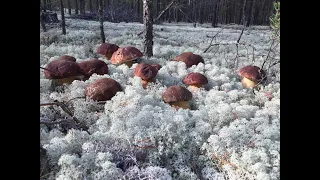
[62, 71]
[92, 66]
[146, 72]
[102, 89]
[195, 80]
[67, 58]
[126, 55]
[177, 97]
[252, 76]
[107, 49]
[189, 59]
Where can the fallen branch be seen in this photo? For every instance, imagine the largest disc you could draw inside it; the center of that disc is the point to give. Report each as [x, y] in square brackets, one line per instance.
[163, 11]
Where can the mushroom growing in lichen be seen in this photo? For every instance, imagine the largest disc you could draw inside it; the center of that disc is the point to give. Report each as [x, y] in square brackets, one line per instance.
[102, 89]
[67, 58]
[189, 59]
[252, 76]
[92, 66]
[177, 97]
[146, 72]
[62, 71]
[126, 55]
[107, 49]
[195, 80]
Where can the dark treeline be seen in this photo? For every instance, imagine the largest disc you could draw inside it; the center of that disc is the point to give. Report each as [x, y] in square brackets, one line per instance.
[248, 12]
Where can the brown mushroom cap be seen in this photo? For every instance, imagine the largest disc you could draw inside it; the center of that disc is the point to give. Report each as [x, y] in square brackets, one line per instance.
[67, 58]
[58, 69]
[145, 71]
[125, 54]
[196, 79]
[157, 66]
[253, 73]
[102, 89]
[92, 66]
[189, 59]
[107, 49]
[176, 93]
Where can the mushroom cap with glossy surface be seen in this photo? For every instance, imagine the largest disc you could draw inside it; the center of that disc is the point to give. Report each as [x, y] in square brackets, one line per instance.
[253, 73]
[107, 49]
[93, 65]
[157, 66]
[176, 93]
[67, 58]
[145, 71]
[124, 54]
[189, 59]
[58, 69]
[195, 79]
[102, 89]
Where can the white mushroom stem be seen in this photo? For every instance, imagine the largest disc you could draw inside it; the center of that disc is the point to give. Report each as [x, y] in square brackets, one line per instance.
[128, 63]
[145, 83]
[60, 82]
[195, 88]
[181, 104]
[247, 83]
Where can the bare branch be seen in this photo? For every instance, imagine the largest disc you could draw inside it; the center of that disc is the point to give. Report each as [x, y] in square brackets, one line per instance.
[163, 11]
[212, 40]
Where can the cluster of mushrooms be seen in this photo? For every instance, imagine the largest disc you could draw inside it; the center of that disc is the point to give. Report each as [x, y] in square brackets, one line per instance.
[65, 70]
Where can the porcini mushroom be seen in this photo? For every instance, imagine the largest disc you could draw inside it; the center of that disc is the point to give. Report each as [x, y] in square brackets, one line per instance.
[62, 71]
[177, 97]
[189, 59]
[126, 55]
[195, 80]
[252, 76]
[157, 66]
[107, 49]
[67, 58]
[146, 72]
[102, 89]
[91, 66]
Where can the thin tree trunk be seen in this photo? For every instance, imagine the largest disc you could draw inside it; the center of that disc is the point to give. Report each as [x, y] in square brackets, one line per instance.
[63, 23]
[76, 7]
[201, 9]
[148, 23]
[69, 7]
[244, 13]
[158, 7]
[103, 38]
[215, 14]
[90, 6]
[82, 7]
[44, 5]
[43, 26]
[138, 9]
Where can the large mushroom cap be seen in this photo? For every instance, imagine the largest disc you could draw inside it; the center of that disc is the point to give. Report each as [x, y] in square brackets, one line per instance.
[195, 79]
[145, 71]
[176, 93]
[107, 49]
[67, 58]
[189, 59]
[92, 66]
[102, 89]
[124, 54]
[253, 73]
[59, 69]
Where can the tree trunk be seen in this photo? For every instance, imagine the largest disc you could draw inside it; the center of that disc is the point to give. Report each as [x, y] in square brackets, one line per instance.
[69, 7]
[201, 9]
[148, 23]
[90, 6]
[138, 9]
[63, 23]
[243, 21]
[215, 14]
[250, 13]
[82, 7]
[43, 25]
[49, 5]
[76, 7]
[103, 38]
[158, 3]
[44, 5]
